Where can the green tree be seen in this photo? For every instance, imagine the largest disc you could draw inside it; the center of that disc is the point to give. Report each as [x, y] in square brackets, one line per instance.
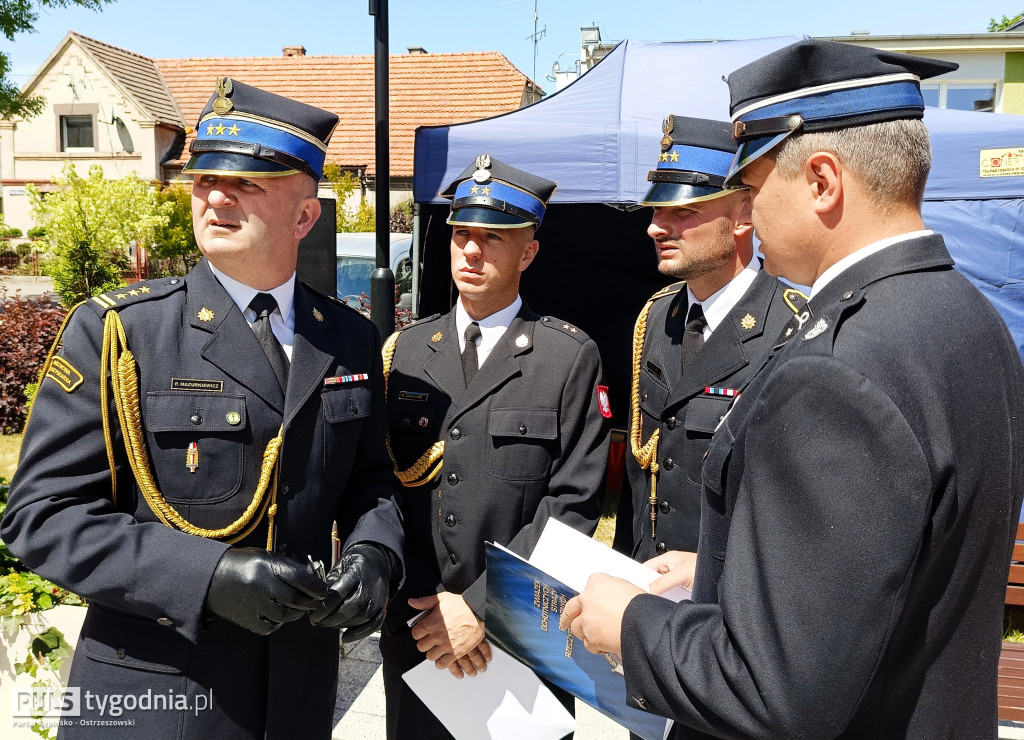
[19, 16]
[90, 222]
[177, 237]
[344, 183]
[1002, 25]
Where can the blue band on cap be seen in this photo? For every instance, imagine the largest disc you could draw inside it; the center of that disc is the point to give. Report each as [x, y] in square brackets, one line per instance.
[499, 191]
[696, 159]
[834, 105]
[250, 132]
[842, 103]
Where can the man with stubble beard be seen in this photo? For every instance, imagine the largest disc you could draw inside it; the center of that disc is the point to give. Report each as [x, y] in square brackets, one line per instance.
[696, 342]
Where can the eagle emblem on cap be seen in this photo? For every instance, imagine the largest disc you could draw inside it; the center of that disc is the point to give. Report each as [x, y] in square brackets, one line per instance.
[666, 128]
[222, 105]
[483, 164]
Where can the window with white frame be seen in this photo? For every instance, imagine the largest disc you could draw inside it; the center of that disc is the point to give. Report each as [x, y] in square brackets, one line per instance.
[979, 96]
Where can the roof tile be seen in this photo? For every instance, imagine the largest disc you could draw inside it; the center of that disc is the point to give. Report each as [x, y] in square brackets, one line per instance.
[426, 90]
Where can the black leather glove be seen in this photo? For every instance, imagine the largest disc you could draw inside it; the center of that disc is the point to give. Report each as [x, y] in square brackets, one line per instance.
[358, 592]
[260, 591]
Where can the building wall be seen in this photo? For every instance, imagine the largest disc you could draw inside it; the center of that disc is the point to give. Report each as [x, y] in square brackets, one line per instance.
[1013, 85]
[30, 150]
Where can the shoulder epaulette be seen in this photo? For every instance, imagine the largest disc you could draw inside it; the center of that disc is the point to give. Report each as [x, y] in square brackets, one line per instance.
[418, 322]
[424, 320]
[339, 302]
[565, 328]
[669, 290]
[136, 293]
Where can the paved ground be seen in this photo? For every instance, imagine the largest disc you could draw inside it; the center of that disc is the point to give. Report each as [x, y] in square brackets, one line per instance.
[359, 713]
[27, 286]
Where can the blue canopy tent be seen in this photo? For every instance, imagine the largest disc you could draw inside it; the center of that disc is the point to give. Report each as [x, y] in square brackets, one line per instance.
[598, 138]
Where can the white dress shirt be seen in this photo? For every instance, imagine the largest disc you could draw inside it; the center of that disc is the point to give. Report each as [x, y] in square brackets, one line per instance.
[491, 327]
[718, 305]
[282, 320]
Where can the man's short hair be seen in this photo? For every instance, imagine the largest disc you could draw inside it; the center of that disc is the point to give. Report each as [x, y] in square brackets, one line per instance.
[891, 159]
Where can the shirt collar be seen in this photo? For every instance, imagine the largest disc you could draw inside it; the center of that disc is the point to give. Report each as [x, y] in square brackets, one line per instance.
[851, 259]
[491, 327]
[718, 305]
[243, 294]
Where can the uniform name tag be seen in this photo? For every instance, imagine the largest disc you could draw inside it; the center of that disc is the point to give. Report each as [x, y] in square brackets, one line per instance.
[413, 396]
[653, 369]
[62, 372]
[193, 384]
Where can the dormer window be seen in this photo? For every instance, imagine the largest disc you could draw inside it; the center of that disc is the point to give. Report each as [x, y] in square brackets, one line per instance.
[76, 133]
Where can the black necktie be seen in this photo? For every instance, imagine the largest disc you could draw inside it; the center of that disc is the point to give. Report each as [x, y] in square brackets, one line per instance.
[470, 364]
[264, 304]
[693, 336]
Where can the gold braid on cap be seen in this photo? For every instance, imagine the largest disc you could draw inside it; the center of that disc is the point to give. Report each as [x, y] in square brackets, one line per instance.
[124, 382]
[429, 465]
[646, 454]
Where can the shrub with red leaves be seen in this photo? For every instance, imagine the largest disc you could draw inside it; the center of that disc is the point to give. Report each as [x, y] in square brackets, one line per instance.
[27, 329]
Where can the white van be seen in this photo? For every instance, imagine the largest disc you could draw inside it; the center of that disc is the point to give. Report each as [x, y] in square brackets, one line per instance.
[357, 259]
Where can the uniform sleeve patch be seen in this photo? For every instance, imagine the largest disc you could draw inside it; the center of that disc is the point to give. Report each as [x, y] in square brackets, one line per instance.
[64, 374]
[603, 402]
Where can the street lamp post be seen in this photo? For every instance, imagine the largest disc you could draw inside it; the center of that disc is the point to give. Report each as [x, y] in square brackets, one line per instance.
[382, 280]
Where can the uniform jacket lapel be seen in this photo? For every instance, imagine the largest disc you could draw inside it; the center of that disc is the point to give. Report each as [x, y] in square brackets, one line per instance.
[232, 346]
[444, 365]
[311, 354]
[724, 354]
[666, 356]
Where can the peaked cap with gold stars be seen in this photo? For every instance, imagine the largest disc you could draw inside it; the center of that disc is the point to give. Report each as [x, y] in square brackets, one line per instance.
[494, 195]
[245, 131]
[694, 160]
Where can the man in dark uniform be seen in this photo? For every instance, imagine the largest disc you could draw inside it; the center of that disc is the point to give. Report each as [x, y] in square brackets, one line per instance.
[697, 341]
[864, 491]
[497, 422]
[187, 494]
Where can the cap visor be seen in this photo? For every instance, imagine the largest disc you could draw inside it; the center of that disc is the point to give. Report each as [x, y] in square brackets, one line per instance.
[487, 218]
[679, 194]
[749, 151]
[237, 165]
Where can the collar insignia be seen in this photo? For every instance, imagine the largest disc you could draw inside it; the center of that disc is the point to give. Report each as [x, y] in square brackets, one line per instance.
[816, 330]
[205, 314]
[748, 322]
[317, 315]
[795, 299]
[437, 337]
[522, 341]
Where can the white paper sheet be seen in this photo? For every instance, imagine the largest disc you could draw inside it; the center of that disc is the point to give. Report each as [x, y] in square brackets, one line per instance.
[505, 702]
[571, 557]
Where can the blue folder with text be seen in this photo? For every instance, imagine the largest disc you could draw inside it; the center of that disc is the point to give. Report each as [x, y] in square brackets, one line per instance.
[523, 606]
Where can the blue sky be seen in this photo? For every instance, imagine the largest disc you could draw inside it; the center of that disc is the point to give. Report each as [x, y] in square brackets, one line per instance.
[262, 27]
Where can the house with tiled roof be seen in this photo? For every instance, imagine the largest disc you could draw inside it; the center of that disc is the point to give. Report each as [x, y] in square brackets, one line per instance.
[126, 112]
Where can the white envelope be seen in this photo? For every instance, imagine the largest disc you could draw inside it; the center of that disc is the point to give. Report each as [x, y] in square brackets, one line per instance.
[505, 702]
